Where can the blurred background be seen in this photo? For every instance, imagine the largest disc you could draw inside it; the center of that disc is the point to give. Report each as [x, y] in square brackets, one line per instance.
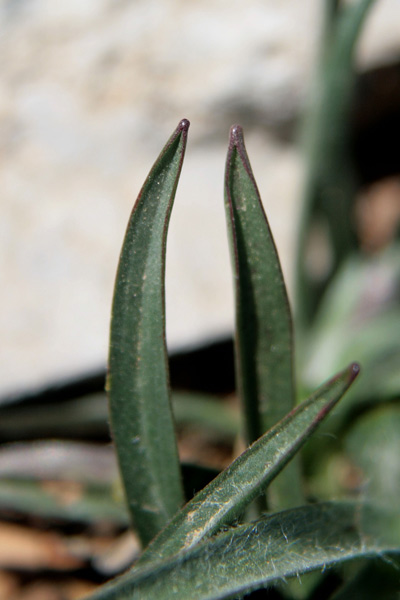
[90, 91]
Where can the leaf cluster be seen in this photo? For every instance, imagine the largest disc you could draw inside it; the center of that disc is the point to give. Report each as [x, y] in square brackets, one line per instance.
[208, 548]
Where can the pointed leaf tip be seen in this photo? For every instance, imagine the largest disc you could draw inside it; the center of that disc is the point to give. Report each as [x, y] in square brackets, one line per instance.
[138, 382]
[184, 125]
[354, 370]
[223, 500]
[236, 135]
[237, 147]
[348, 374]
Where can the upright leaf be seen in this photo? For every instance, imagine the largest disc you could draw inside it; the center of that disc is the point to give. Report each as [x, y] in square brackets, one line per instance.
[330, 181]
[262, 553]
[138, 387]
[264, 339]
[228, 495]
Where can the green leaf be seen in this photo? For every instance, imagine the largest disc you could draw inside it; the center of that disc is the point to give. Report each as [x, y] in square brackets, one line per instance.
[373, 443]
[87, 417]
[264, 338]
[141, 419]
[84, 417]
[227, 496]
[358, 319]
[261, 554]
[92, 504]
[363, 290]
[204, 411]
[330, 182]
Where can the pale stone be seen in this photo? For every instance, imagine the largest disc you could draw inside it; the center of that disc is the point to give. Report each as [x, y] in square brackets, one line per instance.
[90, 91]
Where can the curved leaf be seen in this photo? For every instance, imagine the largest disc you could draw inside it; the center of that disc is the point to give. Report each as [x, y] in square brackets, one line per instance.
[225, 498]
[264, 338]
[137, 384]
[262, 553]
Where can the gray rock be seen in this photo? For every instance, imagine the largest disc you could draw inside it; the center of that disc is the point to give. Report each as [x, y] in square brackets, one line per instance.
[90, 92]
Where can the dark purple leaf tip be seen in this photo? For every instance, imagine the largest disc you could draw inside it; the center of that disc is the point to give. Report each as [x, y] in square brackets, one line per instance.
[354, 370]
[236, 135]
[184, 125]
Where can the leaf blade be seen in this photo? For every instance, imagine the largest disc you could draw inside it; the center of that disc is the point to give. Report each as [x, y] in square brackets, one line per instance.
[330, 183]
[137, 383]
[264, 333]
[262, 553]
[226, 497]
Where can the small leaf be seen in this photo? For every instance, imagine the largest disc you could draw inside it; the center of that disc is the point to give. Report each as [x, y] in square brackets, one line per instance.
[226, 497]
[264, 339]
[141, 419]
[262, 553]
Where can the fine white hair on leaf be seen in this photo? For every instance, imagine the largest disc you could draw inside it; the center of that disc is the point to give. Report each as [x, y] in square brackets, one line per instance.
[284, 535]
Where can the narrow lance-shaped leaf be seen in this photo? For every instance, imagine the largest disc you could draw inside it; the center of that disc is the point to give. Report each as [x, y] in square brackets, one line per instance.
[226, 497]
[262, 553]
[138, 386]
[264, 337]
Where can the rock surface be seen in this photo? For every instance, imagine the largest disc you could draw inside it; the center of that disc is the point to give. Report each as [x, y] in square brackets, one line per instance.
[90, 92]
